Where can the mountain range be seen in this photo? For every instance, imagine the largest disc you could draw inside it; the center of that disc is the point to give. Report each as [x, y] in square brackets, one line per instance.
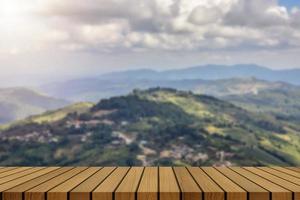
[207, 115]
[196, 79]
[210, 72]
[154, 127]
[243, 84]
[19, 103]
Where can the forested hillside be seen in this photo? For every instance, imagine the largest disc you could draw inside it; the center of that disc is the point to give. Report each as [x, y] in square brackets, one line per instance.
[155, 126]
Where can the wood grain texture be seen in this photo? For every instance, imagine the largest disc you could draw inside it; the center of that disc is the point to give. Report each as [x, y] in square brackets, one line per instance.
[5, 169]
[279, 181]
[15, 177]
[287, 171]
[129, 185]
[16, 193]
[189, 188]
[82, 191]
[211, 190]
[39, 192]
[255, 191]
[106, 189]
[13, 171]
[278, 193]
[148, 189]
[60, 192]
[149, 183]
[168, 187]
[294, 169]
[233, 191]
[281, 175]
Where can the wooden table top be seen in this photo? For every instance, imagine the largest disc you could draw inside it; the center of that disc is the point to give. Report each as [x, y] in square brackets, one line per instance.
[150, 183]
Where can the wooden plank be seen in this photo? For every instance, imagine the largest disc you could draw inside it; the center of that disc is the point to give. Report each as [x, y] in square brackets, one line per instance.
[16, 192]
[279, 181]
[294, 169]
[211, 190]
[105, 190]
[189, 188]
[39, 192]
[19, 175]
[278, 193]
[287, 171]
[168, 187]
[148, 189]
[82, 191]
[281, 175]
[233, 191]
[5, 169]
[15, 182]
[150, 183]
[13, 171]
[129, 185]
[254, 191]
[60, 192]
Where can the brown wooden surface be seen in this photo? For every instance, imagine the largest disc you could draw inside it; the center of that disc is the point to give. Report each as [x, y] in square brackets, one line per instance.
[129, 185]
[210, 189]
[254, 191]
[61, 191]
[281, 175]
[39, 192]
[148, 188]
[16, 193]
[287, 171]
[168, 186]
[277, 180]
[149, 183]
[278, 193]
[233, 190]
[189, 188]
[294, 169]
[82, 191]
[106, 189]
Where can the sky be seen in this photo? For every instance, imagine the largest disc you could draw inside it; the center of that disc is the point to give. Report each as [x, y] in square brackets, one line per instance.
[45, 41]
[289, 3]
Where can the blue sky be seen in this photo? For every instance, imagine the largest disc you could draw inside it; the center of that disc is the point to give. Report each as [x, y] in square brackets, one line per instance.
[290, 3]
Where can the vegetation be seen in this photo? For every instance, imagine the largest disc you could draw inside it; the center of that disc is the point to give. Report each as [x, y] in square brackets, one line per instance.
[149, 127]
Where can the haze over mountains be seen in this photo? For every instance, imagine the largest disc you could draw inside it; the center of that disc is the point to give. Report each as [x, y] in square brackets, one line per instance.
[215, 80]
[211, 72]
[238, 119]
[18, 103]
[203, 79]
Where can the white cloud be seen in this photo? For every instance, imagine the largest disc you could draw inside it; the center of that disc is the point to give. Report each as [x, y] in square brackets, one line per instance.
[112, 26]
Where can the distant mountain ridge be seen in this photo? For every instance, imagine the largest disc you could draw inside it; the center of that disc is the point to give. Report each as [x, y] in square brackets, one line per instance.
[18, 103]
[121, 83]
[211, 72]
[95, 89]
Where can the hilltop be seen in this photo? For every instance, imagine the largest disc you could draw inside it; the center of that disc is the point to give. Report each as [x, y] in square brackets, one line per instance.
[154, 127]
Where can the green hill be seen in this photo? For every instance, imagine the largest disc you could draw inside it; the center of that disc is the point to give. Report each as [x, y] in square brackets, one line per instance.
[19, 103]
[51, 116]
[155, 126]
[281, 102]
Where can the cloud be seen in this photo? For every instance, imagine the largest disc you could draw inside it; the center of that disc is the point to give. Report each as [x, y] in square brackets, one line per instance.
[257, 13]
[169, 25]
